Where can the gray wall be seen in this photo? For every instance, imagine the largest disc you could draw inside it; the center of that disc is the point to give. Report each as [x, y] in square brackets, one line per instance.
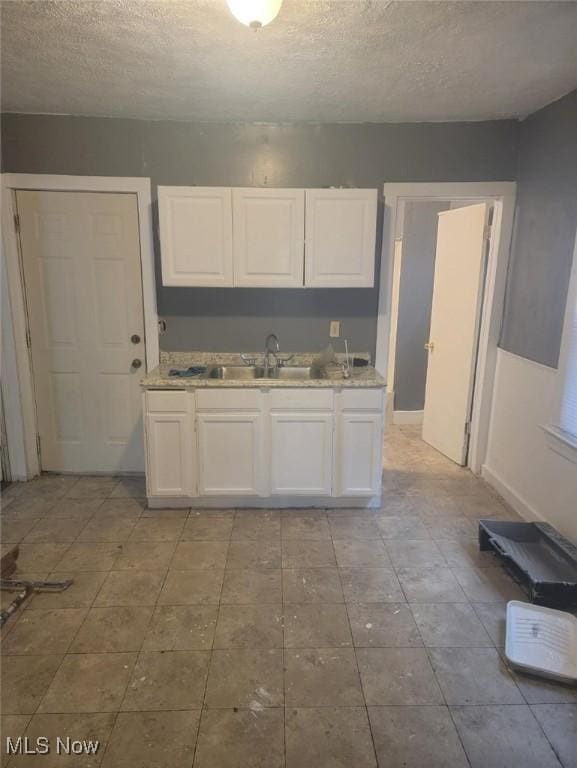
[303, 155]
[415, 302]
[545, 225]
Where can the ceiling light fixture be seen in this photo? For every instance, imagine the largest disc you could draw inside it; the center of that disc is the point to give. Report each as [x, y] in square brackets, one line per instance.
[254, 13]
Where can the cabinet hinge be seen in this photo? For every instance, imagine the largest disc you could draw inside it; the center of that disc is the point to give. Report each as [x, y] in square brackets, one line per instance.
[28, 339]
[17, 223]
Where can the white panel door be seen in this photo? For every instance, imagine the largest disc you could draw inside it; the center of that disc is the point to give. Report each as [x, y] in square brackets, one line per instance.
[81, 259]
[301, 446]
[195, 235]
[340, 238]
[453, 338]
[359, 454]
[268, 237]
[170, 456]
[230, 461]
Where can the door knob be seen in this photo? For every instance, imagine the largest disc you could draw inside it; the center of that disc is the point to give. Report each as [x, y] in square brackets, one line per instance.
[429, 346]
[135, 338]
[136, 363]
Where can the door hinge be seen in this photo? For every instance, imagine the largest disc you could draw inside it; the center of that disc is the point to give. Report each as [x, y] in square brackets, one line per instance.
[38, 445]
[28, 339]
[467, 427]
[17, 223]
[487, 231]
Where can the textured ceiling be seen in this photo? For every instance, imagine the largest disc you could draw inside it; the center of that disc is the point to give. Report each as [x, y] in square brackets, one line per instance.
[320, 60]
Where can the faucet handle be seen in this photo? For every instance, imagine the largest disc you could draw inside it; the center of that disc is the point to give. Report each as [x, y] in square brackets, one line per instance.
[247, 359]
[284, 359]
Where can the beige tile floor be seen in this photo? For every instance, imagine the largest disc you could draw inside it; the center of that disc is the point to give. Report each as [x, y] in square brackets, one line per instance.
[265, 639]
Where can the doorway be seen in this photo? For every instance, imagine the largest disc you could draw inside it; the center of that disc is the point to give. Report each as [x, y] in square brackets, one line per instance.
[412, 212]
[80, 255]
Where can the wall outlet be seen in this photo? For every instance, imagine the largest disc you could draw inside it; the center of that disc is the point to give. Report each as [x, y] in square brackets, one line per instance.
[335, 330]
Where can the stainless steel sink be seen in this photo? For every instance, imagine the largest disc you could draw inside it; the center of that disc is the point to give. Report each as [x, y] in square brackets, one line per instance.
[236, 372]
[296, 372]
[248, 372]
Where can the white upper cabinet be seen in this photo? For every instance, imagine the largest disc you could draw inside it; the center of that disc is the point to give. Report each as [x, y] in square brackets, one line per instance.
[340, 238]
[268, 237]
[196, 236]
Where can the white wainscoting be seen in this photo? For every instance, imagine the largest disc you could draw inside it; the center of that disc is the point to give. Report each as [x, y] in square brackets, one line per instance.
[538, 482]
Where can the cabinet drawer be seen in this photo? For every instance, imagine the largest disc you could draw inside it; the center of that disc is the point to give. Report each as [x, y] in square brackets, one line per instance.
[302, 399]
[165, 402]
[229, 399]
[362, 399]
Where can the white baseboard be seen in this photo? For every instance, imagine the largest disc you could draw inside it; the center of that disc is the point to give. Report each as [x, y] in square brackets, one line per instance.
[514, 499]
[264, 502]
[408, 417]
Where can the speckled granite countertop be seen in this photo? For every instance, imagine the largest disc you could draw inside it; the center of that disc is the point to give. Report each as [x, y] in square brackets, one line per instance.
[159, 378]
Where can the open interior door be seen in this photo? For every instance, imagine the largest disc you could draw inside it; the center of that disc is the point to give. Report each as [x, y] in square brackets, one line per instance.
[453, 338]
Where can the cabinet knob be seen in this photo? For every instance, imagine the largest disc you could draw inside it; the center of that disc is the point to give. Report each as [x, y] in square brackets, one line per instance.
[136, 363]
[429, 346]
[135, 338]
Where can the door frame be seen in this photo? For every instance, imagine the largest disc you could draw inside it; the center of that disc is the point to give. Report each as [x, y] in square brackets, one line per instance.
[502, 194]
[18, 383]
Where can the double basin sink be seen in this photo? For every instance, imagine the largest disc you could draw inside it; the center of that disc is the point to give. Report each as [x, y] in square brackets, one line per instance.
[249, 372]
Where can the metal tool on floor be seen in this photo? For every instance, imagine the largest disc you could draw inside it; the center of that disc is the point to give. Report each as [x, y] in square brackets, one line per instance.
[24, 588]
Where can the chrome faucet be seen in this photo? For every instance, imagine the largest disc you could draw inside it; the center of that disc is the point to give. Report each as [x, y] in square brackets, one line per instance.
[270, 339]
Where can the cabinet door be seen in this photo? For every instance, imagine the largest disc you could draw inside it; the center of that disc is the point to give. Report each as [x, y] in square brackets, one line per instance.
[230, 454]
[340, 238]
[195, 235]
[359, 454]
[268, 237]
[169, 454]
[301, 453]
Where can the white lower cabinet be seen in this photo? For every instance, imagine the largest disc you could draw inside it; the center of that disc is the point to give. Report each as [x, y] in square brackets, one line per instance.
[223, 443]
[301, 454]
[170, 445]
[358, 465]
[230, 454]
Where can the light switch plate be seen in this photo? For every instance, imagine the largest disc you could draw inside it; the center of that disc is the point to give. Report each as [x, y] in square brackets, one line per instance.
[335, 330]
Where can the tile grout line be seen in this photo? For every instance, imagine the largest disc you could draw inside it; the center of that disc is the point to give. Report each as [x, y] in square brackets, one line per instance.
[354, 649]
[426, 649]
[447, 706]
[203, 703]
[136, 653]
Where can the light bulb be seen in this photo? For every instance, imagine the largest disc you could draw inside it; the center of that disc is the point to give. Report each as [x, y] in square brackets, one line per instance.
[254, 13]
